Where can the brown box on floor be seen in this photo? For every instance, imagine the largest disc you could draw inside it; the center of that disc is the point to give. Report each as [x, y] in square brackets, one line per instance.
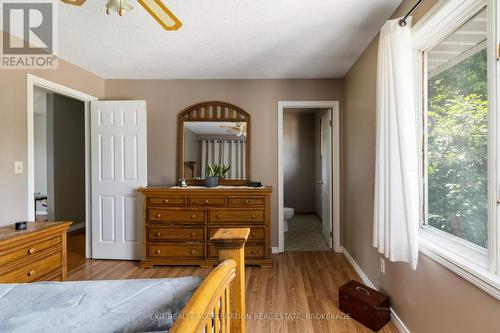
[366, 305]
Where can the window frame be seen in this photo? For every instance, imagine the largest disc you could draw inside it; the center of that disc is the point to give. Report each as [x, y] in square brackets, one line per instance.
[477, 265]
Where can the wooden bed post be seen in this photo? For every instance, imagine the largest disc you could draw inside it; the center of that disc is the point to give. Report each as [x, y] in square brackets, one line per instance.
[230, 244]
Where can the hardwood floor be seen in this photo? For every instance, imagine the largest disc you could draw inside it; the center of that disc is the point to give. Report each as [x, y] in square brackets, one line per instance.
[300, 285]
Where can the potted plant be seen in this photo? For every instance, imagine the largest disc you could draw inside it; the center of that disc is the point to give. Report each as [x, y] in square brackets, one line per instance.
[214, 172]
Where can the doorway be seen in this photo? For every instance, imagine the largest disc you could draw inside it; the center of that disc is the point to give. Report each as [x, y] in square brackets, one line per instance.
[58, 164]
[308, 176]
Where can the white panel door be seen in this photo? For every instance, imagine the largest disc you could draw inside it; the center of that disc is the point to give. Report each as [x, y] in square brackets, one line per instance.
[326, 176]
[119, 166]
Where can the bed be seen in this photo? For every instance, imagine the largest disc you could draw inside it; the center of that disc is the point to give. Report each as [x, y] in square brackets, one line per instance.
[179, 305]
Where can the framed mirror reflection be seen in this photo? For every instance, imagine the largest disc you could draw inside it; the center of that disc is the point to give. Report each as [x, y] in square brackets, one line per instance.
[214, 137]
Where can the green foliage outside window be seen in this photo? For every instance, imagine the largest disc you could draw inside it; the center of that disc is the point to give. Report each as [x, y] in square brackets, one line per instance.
[458, 150]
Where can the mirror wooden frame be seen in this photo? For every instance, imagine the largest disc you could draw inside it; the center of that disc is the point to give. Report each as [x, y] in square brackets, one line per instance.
[213, 111]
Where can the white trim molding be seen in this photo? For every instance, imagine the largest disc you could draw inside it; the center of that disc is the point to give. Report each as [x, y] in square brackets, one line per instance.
[33, 81]
[400, 325]
[335, 217]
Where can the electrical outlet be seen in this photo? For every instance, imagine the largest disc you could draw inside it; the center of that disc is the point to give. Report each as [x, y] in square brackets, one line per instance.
[18, 167]
[382, 265]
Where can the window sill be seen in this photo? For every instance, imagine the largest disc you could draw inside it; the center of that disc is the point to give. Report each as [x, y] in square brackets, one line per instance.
[469, 262]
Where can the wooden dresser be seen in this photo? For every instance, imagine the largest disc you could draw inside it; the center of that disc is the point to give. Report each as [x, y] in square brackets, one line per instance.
[180, 221]
[35, 254]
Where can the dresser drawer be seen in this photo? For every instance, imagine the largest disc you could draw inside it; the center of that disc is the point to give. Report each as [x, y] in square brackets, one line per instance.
[34, 270]
[247, 201]
[29, 250]
[251, 251]
[237, 215]
[207, 201]
[177, 215]
[176, 251]
[167, 201]
[176, 234]
[255, 233]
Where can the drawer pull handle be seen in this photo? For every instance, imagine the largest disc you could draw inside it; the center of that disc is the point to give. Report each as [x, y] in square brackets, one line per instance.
[157, 251]
[158, 234]
[31, 273]
[193, 234]
[158, 216]
[165, 201]
[193, 216]
[31, 251]
[193, 252]
[246, 201]
[253, 216]
[206, 202]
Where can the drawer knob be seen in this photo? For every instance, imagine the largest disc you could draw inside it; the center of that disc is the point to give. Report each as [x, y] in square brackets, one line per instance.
[219, 216]
[193, 252]
[31, 273]
[193, 234]
[158, 234]
[253, 216]
[158, 216]
[31, 251]
[165, 201]
[193, 216]
[252, 234]
[206, 202]
[157, 251]
[246, 201]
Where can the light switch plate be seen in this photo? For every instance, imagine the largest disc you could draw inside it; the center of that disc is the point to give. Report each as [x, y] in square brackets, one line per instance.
[18, 167]
[382, 265]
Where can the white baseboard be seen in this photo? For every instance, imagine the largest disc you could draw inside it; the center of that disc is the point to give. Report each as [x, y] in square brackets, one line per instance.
[394, 316]
[275, 249]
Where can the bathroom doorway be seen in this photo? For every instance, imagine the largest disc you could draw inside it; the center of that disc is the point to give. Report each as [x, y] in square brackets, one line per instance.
[308, 185]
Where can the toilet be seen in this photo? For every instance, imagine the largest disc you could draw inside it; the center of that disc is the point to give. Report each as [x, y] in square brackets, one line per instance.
[288, 215]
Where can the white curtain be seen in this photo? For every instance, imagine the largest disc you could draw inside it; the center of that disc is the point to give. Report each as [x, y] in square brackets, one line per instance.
[396, 204]
[227, 152]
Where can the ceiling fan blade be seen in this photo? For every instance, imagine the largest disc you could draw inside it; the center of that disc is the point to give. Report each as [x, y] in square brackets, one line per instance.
[74, 2]
[161, 14]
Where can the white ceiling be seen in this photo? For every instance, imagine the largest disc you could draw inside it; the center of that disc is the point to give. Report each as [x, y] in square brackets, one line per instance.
[208, 127]
[223, 39]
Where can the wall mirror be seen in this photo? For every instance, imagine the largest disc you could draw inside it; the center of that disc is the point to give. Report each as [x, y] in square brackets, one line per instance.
[213, 133]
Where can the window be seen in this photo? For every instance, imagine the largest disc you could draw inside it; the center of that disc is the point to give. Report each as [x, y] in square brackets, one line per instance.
[457, 132]
[457, 69]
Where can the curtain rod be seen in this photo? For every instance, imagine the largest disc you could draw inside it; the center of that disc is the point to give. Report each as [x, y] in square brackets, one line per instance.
[402, 22]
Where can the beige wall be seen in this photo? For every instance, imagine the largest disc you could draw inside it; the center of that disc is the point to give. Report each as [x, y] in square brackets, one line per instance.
[13, 129]
[432, 299]
[299, 174]
[166, 98]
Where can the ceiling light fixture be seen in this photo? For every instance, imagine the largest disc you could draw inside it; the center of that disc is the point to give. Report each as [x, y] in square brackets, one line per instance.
[119, 6]
[155, 8]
